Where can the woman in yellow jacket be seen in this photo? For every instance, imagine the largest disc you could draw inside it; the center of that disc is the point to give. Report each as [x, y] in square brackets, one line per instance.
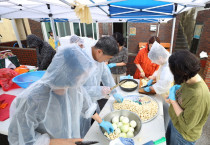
[52, 42]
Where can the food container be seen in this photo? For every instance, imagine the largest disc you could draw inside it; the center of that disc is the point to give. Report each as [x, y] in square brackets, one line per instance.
[134, 98]
[26, 79]
[129, 89]
[126, 113]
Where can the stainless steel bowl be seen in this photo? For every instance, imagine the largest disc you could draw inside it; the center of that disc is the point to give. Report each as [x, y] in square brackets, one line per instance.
[135, 97]
[126, 113]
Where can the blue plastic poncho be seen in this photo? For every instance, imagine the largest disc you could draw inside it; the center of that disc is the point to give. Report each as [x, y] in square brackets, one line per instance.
[52, 106]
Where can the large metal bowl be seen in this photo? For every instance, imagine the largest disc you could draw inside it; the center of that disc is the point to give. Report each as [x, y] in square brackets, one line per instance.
[126, 113]
[135, 97]
[129, 89]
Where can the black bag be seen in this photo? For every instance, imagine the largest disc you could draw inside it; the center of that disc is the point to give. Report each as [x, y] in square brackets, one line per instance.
[8, 54]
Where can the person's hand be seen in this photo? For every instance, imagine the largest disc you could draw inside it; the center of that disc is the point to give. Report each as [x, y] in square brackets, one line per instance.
[147, 89]
[172, 92]
[105, 90]
[129, 77]
[142, 74]
[167, 100]
[118, 98]
[107, 126]
[151, 77]
[59, 91]
[111, 65]
[60, 141]
[149, 83]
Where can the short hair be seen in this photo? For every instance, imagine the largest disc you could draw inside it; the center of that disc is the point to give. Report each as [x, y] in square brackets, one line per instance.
[108, 45]
[184, 65]
[119, 38]
[153, 39]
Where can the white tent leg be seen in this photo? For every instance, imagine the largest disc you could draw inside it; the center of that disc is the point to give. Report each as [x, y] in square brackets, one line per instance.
[72, 28]
[80, 32]
[97, 30]
[53, 28]
[16, 33]
[93, 31]
[172, 34]
[84, 24]
[44, 31]
[57, 26]
[158, 29]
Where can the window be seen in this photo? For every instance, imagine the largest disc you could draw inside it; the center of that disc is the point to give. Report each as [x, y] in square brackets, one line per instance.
[83, 33]
[86, 30]
[95, 31]
[89, 30]
[66, 28]
[76, 29]
[48, 28]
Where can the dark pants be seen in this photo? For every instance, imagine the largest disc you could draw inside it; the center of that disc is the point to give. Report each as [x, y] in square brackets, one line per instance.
[173, 137]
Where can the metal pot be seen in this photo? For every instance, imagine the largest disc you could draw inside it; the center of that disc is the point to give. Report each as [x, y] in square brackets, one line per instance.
[126, 113]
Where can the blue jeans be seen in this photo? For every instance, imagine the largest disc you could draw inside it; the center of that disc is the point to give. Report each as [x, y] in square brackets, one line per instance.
[173, 137]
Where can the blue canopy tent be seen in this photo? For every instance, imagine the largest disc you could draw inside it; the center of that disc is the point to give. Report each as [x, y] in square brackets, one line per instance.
[141, 9]
[152, 9]
[143, 20]
[55, 20]
[149, 11]
[101, 11]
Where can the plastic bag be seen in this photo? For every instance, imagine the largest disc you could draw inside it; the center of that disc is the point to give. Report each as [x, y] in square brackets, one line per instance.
[6, 76]
[21, 69]
[126, 77]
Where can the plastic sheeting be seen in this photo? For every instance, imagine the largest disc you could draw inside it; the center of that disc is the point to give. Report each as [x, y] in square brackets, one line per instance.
[52, 106]
[76, 39]
[159, 55]
[101, 74]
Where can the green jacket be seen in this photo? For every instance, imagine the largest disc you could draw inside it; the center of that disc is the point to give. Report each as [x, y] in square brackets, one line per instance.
[194, 99]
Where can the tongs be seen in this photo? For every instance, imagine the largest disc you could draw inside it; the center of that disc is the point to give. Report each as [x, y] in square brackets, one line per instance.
[118, 85]
[86, 142]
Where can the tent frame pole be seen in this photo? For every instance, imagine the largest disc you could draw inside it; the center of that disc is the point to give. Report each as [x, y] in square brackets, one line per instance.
[99, 7]
[172, 34]
[97, 29]
[158, 30]
[53, 28]
[16, 33]
[44, 31]
[173, 27]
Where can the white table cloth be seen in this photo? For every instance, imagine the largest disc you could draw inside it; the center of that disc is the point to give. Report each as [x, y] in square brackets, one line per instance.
[152, 130]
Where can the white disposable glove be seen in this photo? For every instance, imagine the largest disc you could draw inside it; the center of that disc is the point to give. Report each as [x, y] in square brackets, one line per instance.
[105, 90]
